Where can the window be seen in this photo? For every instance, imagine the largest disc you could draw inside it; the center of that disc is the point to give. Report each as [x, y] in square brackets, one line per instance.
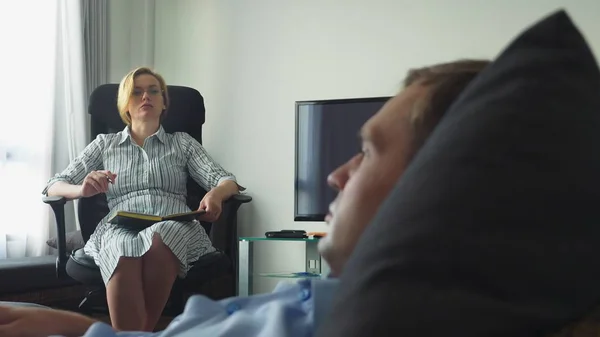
[28, 39]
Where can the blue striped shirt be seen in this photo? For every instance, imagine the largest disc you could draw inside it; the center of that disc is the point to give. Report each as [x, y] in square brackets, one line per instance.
[292, 310]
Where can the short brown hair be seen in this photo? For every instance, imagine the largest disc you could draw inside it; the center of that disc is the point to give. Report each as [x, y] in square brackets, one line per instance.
[444, 82]
[127, 86]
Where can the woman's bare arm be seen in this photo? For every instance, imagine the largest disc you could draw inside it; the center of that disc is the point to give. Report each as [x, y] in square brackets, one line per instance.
[226, 189]
[95, 182]
[64, 189]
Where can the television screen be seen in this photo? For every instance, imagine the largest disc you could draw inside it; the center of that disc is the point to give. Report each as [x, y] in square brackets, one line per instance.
[326, 137]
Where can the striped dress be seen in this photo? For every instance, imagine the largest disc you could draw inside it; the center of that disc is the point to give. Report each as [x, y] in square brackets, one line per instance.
[150, 179]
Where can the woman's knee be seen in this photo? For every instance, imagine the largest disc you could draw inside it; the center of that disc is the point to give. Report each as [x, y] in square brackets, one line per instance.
[157, 241]
[128, 265]
[160, 252]
[159, 248]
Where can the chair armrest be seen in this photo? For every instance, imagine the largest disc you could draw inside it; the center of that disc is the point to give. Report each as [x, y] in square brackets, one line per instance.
[239, 198]
[223, 232]
[54, 200]
[58, 206]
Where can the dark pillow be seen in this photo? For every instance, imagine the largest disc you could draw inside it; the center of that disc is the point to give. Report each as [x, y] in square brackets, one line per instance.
[74, 241]
[494, 229]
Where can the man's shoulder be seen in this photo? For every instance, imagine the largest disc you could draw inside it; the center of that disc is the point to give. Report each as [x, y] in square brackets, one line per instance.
[101, 329]
[288, 311]
[284, 291]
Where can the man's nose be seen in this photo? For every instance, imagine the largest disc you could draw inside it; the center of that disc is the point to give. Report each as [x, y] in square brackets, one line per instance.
[338, 178]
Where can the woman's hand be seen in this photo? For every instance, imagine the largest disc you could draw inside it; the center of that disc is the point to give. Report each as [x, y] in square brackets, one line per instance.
[97, 182]
[212, 204]
[38, 322]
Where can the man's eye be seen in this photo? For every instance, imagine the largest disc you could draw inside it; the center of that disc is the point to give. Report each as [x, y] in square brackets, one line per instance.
[358, 159]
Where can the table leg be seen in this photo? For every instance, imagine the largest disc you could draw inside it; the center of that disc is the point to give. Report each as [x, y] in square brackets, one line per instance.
[313, 259]
[246, 258]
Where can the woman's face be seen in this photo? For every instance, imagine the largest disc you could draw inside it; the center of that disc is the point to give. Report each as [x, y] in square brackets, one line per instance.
[146, 103]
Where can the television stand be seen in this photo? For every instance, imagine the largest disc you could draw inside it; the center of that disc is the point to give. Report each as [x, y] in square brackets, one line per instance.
[314, 266]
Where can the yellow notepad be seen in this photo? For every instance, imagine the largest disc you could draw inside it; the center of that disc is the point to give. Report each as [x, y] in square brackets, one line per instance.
[141, 220]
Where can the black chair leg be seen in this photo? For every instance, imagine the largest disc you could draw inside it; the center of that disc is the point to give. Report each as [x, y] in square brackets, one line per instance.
[177, 304]
[86, 305]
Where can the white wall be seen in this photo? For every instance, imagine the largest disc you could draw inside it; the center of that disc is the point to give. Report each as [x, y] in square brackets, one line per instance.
[131, 36]
[253, 59]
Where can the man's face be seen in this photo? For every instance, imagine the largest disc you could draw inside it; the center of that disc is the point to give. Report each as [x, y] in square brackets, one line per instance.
[367, 178]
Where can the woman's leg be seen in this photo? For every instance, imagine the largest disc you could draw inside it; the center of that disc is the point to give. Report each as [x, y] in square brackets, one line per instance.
[125, 295]
[159, 269]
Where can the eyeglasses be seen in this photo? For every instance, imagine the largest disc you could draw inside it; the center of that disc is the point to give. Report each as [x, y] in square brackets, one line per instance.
[153, 92]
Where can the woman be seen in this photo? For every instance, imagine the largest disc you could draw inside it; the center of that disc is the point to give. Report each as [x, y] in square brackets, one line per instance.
[143, 169]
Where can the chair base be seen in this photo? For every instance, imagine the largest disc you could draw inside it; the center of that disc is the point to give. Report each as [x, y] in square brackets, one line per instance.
[87, 307]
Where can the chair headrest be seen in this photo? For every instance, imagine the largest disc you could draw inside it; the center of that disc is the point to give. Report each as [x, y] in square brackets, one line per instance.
[186, 112]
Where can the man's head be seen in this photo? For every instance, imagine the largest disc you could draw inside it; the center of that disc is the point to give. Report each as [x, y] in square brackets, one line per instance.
[390, 139]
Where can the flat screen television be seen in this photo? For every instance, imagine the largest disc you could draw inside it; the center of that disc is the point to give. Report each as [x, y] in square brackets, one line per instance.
[326, 137]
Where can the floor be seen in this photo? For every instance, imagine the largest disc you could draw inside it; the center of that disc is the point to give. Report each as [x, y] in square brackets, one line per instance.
[69, 297]
[66, 299]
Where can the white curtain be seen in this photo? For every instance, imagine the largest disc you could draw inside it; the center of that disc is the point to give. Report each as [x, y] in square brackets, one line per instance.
[95, 38]
[27, 37]
[82, 65]
[43, 116]
[70, 118]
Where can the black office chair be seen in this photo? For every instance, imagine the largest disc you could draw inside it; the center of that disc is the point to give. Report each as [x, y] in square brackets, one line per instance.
[215, 274]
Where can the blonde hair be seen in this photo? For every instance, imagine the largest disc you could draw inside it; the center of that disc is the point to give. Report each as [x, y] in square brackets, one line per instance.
[127, 86]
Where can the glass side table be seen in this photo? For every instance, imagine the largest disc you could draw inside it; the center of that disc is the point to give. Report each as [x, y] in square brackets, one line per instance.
[314, 267]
